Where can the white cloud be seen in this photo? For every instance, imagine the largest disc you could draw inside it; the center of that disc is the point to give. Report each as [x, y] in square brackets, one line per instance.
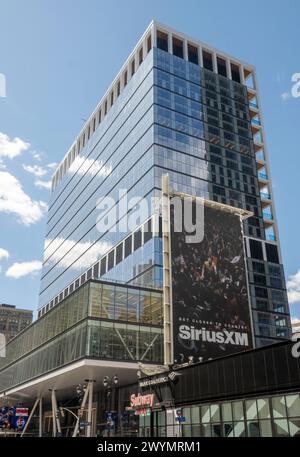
[294, 296]
[52, 165]
[42, 184]
[296, 324]
[12, 147]
[293, 288]
[74, 250]
[36, 170]
[90, 166]
[285, 96]
[37, 155]
[14, 200]
[4, 254]
[21, 269]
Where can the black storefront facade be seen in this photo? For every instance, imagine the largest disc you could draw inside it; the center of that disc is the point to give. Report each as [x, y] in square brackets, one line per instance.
[252, 393]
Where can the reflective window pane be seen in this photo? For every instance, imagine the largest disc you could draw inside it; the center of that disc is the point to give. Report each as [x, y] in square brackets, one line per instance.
[226, 412]
[156, 309]
[251, 409]
[228, 430]
[293, 405]
[253, 429]
[108, 298]
[196, 430]
[205, 414]
[106, 339]
[186, 430]
[278, 405]
[265, 428]
[95, 299]
[121, 304]
[195, 414]
[294, 426]
[263, 408]
[133, 305]
[238, 412]
[215, 413]
[216, 430]
[239, 429]
[161, 418]
[145, 308]
[205, 430]
[187, 414]
[132, 342]
[281, 427]
[118, 340]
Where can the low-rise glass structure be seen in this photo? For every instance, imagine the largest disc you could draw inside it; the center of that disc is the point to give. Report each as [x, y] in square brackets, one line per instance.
[99, 320]
[277, 415]
[255, 393]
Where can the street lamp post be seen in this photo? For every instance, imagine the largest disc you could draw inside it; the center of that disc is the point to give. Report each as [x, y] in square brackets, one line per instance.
[110, 385]
[85, 393]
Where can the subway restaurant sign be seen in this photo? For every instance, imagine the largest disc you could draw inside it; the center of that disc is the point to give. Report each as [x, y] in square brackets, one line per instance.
[141, 404]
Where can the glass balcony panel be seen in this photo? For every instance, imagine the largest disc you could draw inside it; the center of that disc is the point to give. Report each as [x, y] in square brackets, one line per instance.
[270, 237]
[267, 216]
[253, 104]
[260, 155]
[262, 175]
[265, 196]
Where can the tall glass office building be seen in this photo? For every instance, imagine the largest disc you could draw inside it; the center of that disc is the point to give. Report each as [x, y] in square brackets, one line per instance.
[177, 107]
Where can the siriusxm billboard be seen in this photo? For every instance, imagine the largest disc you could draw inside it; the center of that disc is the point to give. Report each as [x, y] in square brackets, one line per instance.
[211, 314]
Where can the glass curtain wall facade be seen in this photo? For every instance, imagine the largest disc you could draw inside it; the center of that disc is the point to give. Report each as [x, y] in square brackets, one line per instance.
[118, 156]
[203, 140]
[99, 320]
[177, 117]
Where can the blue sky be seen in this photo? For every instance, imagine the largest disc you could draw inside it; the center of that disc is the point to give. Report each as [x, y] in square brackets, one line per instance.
[58, 58]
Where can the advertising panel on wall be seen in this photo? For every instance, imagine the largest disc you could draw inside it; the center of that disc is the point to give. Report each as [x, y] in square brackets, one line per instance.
[13, 418]
[210, 304]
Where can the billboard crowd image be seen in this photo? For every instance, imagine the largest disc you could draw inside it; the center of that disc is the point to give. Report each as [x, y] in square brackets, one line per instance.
[211, 315]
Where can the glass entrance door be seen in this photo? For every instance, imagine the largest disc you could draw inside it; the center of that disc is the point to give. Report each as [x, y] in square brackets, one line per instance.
[153, 424]
[159, 423]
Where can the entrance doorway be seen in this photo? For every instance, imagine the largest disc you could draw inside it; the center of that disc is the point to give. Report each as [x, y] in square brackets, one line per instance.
[159, 423]
[153, 424]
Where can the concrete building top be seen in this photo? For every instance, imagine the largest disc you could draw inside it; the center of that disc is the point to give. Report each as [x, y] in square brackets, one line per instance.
[14, 308]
